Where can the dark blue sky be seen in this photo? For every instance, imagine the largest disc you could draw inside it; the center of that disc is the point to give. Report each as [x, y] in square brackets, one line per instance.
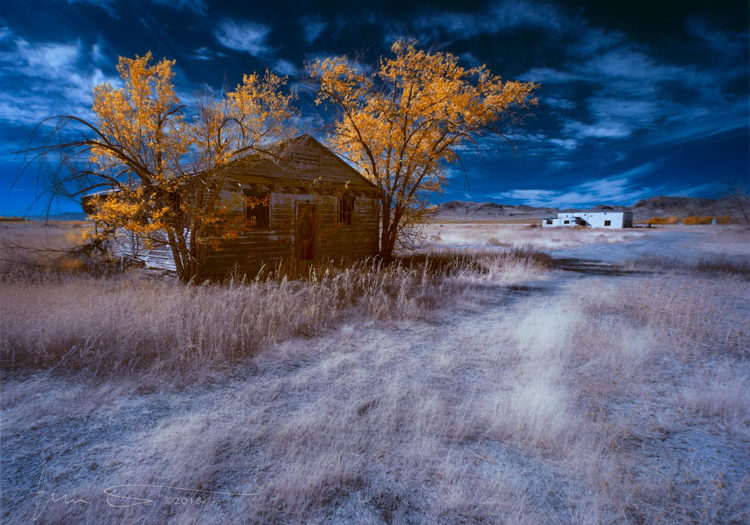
[636, 99]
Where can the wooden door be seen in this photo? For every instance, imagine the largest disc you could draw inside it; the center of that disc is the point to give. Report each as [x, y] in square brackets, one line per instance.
[306, 231]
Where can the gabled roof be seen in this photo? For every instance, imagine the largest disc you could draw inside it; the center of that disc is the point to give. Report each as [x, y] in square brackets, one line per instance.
[330, 167]
[333, 170]
[309, 139]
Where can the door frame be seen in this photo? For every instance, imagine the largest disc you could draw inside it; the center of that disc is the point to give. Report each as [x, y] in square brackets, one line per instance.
[297, 239]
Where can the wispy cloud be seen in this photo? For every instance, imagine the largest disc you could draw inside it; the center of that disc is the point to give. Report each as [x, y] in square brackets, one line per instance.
[632, 90]
[629, 89]
[204, 53]
[724, 43]
[567, 144]
[196, 6]
[622, 189]
[550, 75]
[559, 103]
[106, 5]
[312, 27]
[601, 129]
[248, 37]
[285, 67]
[47, 78]
[499, 16]
[638, 68]
[47, 59]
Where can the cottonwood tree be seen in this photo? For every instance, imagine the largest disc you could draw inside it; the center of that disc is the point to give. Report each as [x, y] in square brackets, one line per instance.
[160, 172]
[404, 122]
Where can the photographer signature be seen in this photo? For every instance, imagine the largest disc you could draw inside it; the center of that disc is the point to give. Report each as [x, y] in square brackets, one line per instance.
[117, 495]
[43, 497]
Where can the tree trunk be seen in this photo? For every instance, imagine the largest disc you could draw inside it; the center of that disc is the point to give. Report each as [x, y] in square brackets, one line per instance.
[386, 241]
[176, 255]
[386, 249]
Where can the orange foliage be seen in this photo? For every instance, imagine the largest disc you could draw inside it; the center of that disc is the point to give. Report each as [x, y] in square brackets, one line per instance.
[165, 171]
[402, 124]
[692, 220]
[664, 220]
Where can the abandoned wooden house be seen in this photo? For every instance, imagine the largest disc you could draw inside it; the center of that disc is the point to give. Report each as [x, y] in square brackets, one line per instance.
[309, 206]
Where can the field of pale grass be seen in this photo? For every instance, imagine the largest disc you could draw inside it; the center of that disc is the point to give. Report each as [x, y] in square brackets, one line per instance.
[524, 235]
[454, 388]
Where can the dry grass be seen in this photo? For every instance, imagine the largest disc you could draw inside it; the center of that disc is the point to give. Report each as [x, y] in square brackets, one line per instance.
[575, 400]
[130, 323]
[711, 266]
[598, 411]
[693, 220]
[475, 235]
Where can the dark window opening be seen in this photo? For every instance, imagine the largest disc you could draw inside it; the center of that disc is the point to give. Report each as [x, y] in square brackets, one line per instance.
[566, 222]
[607, 223]
[346, 210]
[549, 221]
[257, 210]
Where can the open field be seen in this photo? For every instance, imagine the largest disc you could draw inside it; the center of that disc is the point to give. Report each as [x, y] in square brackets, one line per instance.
[17, 237]
[675, 240]
[484, 383]
[477, 235]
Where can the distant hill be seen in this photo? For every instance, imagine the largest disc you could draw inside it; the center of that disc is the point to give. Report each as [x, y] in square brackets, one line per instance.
[673, 202]
[457, 210]
[661, 206]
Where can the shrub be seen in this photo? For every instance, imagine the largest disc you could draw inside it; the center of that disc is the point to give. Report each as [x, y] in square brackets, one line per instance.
[494, 241]
[664, 220]
[692, 220]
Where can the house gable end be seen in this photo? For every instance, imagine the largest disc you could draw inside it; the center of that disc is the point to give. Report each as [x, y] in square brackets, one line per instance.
[331, 159]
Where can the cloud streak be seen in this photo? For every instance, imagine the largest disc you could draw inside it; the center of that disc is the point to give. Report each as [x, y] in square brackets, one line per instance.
[312, 26]
[196, 6]
[49, 78]
[499, 16]
[632, 91]
[248, 37]
[622, 188]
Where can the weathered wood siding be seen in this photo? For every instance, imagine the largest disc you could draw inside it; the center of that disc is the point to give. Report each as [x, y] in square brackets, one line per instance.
[251, 250]
[126, 245]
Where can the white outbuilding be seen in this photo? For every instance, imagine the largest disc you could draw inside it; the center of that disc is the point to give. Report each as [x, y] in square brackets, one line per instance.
[593, 219]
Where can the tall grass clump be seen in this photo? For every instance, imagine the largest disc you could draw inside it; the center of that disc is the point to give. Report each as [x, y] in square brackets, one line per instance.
[129, 323]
